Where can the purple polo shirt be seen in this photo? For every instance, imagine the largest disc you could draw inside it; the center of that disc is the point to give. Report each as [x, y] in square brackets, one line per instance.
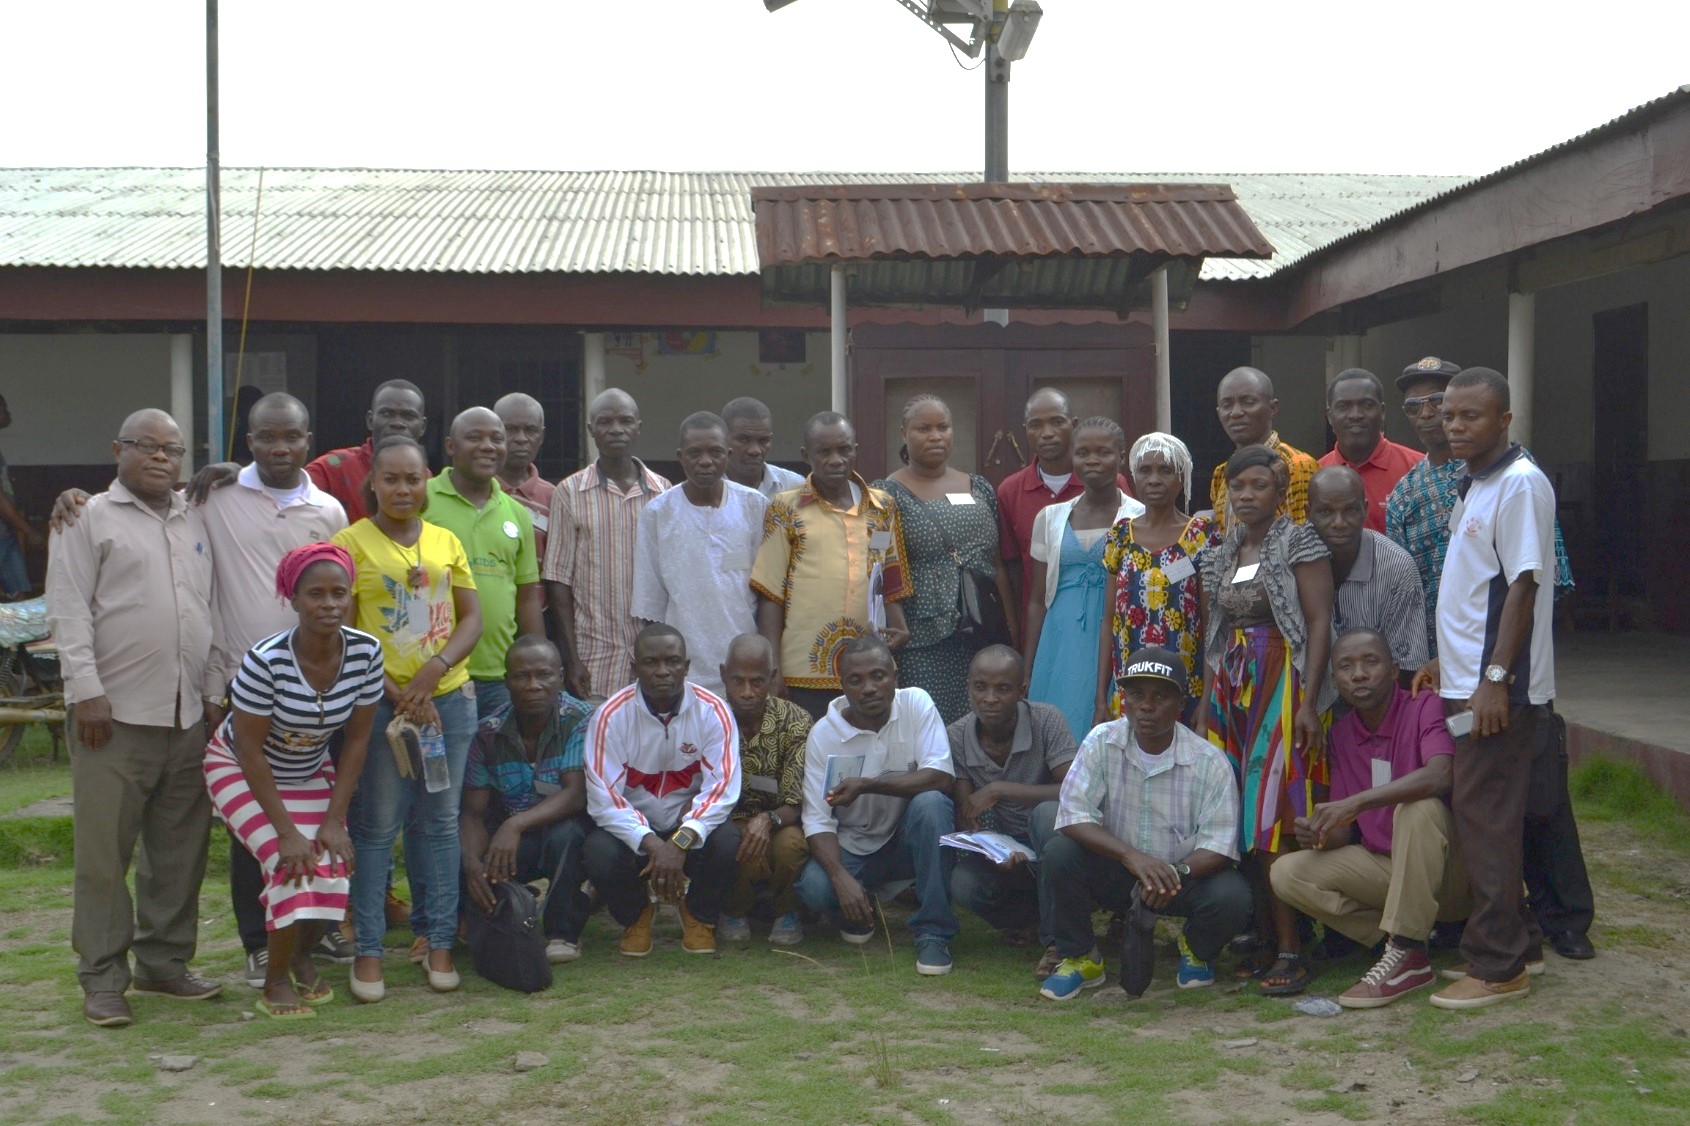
[1411, 735]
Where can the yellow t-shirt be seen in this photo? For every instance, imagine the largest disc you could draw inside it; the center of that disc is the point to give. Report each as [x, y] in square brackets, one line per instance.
[413, 622]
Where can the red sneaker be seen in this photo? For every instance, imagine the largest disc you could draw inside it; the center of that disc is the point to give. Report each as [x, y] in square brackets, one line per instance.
[1400, 970]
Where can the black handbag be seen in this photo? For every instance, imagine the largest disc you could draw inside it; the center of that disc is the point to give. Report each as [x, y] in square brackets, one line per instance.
[507, 945]
[981, 617]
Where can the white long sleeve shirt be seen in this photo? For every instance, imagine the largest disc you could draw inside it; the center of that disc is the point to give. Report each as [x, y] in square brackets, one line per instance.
[645, 774]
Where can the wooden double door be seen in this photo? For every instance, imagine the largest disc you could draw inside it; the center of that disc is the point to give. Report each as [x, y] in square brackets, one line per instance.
[985, 374]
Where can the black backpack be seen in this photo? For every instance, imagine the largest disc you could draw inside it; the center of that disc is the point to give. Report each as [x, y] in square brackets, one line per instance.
[507, 946]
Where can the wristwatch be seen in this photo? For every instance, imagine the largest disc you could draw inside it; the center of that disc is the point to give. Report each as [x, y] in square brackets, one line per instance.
[1496, 674]
[684, 839]
[774, 819]
[1183, 870]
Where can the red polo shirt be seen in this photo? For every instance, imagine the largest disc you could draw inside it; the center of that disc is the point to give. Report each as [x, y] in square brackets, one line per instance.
[341, 474]
[1384, 467]
[1021, 496]
[535, 494]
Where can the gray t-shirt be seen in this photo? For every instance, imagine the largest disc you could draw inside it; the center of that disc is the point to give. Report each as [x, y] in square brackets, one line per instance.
[1042, 742]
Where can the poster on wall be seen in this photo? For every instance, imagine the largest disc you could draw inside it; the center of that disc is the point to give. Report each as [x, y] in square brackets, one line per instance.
[780, 346]
[686, 342]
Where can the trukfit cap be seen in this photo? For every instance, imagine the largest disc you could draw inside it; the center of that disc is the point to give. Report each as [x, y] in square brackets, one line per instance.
[1155, 663]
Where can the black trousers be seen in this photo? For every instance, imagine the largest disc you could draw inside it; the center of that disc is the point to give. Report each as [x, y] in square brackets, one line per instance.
[1557, 885]
[1214, 907]
[246, 881]
[813, 700]
[712, 868]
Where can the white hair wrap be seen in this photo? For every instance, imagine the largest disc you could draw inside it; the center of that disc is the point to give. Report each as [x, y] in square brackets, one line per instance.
[1171, 449]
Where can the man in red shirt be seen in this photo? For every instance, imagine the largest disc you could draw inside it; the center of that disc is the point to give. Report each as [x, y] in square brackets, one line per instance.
[1048, 478]
[1355, 408]
[525, 430]
[395, 408]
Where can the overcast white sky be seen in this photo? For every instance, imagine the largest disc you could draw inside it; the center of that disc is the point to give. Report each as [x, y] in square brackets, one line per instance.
[1109, 85]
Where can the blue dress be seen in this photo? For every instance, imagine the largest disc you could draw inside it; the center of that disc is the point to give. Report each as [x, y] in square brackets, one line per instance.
[1065, 666]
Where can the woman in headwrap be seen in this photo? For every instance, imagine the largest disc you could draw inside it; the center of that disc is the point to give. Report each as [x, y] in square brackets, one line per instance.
[268, 771]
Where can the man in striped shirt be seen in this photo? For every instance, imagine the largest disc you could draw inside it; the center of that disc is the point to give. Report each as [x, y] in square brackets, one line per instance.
[590, 547]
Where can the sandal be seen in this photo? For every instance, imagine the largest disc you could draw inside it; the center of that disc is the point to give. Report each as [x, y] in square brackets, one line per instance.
[1294, 978]
[285, 1012]
[1258, 960]
[319, 994]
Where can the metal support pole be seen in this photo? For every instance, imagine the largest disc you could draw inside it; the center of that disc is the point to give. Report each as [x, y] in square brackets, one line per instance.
[1164, 361]
[592, 386]
[213, 253]
[1522, 349]
[997, 123]
[841, 393]
[182, 392]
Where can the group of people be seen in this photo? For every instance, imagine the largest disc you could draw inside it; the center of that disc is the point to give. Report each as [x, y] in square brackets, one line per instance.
[759, 690]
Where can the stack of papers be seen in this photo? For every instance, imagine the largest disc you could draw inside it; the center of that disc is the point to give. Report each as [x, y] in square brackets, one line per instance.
[996, 847]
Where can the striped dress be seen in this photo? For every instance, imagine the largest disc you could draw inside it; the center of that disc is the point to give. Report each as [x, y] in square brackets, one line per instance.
[302, 720]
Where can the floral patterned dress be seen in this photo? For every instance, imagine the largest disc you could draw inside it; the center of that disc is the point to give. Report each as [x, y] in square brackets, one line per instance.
[1158, 601]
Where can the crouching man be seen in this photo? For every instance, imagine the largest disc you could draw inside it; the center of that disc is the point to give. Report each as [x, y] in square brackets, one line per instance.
[1148, 822]
[525, 796]
[1380, 858]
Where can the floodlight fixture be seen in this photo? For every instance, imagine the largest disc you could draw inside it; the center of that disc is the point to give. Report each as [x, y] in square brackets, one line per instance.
[1019, 25]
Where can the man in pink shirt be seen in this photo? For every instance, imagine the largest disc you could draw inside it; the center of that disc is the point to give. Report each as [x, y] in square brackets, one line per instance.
[1355, 409]
[525, 430]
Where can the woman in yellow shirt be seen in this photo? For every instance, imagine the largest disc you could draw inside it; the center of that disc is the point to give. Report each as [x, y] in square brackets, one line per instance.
[414, 592]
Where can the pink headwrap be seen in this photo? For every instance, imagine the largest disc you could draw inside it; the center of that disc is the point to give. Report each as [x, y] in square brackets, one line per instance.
[296, 562]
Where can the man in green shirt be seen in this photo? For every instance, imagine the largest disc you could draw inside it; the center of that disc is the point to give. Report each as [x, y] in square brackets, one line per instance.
[497, 532]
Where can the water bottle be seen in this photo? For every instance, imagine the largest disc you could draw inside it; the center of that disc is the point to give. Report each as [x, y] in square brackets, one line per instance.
[431, 742]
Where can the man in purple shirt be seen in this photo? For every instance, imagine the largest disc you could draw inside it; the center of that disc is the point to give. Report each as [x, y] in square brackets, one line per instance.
[1380, 860]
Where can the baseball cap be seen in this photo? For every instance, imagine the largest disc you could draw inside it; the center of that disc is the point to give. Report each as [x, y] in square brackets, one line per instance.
[1155, 663]
[1429, 368]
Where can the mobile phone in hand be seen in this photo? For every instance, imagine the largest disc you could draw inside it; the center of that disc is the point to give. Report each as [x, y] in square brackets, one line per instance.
[1459, 724]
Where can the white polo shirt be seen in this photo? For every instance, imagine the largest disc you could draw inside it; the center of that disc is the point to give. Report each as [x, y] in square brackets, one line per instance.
[913, 738]
[1503, 527]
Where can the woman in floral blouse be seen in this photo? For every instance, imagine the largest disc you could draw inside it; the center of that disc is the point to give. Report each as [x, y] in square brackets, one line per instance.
[1155, 591]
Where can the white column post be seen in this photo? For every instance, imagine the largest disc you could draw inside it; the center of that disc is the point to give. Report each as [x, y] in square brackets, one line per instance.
[182, 395]
[1164, 361]
[1522, 348]
[592, 385]
[840, 382]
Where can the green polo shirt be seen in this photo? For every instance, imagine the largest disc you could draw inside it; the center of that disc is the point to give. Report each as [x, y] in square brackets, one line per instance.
[498, 538]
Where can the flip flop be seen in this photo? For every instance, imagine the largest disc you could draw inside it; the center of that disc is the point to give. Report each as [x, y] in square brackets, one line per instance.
[1295, 975]
[285, 1012]
[321, 994]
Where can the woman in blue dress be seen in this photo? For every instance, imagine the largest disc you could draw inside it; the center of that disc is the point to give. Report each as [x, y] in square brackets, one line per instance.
[1061, 638]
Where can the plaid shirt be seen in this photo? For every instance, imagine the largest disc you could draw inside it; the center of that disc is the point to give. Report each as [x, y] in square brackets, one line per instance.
[498, 758]
[772, 759]
[1417, 518]
[1187, 801]
[1299, 465]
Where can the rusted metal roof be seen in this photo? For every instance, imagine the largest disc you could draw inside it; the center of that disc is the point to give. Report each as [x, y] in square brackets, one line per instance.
[1017, 245]
[667, 223]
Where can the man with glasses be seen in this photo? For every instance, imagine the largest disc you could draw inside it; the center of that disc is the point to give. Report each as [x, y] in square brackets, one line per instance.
[129, 601]
[1355, 409]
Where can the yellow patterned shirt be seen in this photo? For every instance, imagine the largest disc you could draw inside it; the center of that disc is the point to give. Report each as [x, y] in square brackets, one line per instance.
[1296, 503]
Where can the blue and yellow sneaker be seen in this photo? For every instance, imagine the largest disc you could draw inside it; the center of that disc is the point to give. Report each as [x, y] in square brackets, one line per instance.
[1192, 973]
[1073, 975]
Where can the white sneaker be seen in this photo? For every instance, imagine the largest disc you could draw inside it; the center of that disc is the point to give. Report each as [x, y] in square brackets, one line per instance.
[257, 968]
[731, 928]
[559, 950]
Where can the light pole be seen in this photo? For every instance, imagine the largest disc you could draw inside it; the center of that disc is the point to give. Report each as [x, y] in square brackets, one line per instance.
[213, 254]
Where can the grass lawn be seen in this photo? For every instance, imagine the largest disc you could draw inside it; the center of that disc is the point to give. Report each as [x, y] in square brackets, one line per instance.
[829, 1033]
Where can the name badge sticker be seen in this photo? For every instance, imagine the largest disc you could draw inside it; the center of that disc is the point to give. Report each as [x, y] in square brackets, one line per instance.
[1381, 772]
[879, 541]
[510, 528]
[1246, 573]
[542, 523]
[960, 498]
[1180, 571]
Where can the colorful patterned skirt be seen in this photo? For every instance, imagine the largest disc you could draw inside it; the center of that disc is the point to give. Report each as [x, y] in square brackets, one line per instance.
[1257, 691]
[323, 895]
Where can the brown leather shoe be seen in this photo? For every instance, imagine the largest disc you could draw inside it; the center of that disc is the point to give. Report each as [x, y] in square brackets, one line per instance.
[696, 937]
[107, 1009]
[188, 987]
[1476, 993]
[636, 937]
[397, 910]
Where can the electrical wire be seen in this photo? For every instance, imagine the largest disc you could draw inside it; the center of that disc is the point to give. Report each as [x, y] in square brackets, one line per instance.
[246, 310]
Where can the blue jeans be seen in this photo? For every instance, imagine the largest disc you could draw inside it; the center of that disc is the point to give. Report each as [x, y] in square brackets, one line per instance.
[490, 696]
[1015, 899]
[14, 573]
[386, 804]
[914, 853]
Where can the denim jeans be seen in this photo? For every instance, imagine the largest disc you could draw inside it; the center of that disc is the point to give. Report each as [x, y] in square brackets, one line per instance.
[1015, 899]
[914, 853]
[386, 804]
[490, 696]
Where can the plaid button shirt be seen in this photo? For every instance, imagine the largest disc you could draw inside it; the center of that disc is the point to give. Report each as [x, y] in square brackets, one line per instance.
[1417, 518]
[1188, 800]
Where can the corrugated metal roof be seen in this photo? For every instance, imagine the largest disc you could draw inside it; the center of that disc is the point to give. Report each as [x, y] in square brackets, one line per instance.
[565, 222]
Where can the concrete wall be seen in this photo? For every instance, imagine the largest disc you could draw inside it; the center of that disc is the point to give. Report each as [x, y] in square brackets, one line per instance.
[70, 393]
[1297, 366]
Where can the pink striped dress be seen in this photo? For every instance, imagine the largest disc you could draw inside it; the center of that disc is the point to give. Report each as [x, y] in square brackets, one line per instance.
[302, 720]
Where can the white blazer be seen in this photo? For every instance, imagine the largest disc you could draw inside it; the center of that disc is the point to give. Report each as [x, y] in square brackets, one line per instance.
[1052, 522]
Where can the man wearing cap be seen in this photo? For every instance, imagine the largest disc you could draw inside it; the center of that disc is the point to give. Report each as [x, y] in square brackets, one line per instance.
[1355, 409]
[1246, 406]
[1417, 517]
[1148, 821]
[1379, 858]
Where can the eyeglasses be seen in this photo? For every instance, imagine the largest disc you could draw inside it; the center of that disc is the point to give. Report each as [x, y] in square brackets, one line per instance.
[1417, 406]
[148, 447]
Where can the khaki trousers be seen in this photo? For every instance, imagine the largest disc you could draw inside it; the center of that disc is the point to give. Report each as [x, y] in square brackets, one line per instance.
[779, 868]
[1367, 896]
[146, 784]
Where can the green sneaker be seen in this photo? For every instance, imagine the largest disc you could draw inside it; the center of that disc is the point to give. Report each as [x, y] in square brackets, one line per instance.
[1073, 975]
